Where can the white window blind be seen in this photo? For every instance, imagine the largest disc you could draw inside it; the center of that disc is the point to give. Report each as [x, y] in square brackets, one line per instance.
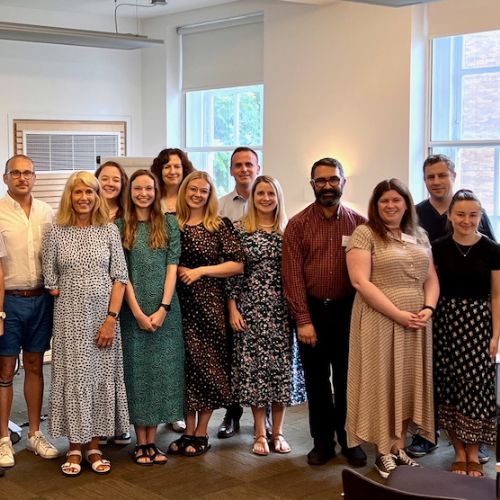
[224, 53]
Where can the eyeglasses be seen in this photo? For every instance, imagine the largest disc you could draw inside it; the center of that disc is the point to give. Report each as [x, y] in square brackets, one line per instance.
[16, 174]
[320, 182]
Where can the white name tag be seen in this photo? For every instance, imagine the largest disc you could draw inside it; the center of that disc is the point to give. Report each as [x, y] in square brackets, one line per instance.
[408, 238]
[345, 240]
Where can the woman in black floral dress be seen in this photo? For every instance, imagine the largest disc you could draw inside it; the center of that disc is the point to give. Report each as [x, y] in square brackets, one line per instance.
[266, 366]
[210, 252]
[466, 330]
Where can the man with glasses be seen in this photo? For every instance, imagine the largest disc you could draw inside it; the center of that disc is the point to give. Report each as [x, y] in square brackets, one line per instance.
[27, 314]
[439, 177]
[320, 297]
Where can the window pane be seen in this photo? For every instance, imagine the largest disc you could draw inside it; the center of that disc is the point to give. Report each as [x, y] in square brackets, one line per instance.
[481, 50]
[250, 118]
[224, 120]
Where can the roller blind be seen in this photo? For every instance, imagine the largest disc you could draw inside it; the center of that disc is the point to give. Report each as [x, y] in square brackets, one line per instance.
[226, 53]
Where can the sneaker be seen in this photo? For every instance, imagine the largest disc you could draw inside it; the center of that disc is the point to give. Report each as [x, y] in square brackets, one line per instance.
[122, 439]
[385, 464]
[39, 445]
[403, 459]
[6, 453]
[484, 454]
[420, 446]
[179, 426]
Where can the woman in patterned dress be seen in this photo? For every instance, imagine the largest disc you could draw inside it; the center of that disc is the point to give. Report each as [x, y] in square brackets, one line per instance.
[114, 181]
[171, 167]
[265, 366]
[390, 351]
[153, 346]
[466, 332]
[85, 270]
[210, 252]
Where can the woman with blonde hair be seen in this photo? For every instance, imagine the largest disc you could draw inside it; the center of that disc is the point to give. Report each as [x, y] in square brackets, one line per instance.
[210, 252]
[85, 270]
[153, 346]
[265, 368]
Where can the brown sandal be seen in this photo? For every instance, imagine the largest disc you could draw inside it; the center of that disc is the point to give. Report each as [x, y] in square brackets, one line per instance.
[459, 468]
[263, 449]
[475, 467]
[280, 445]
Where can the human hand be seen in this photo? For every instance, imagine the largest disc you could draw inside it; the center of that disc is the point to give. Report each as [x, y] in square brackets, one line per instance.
[425, 315]
[493, 349]
[157, 318]
[236, 320]
[54, 292]
[307, 334]
[1, 326]
[144, 322]
[189, 276]
[410, 320]
[106, 334]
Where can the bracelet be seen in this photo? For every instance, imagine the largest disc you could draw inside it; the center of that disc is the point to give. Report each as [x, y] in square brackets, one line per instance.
[113, 314]
[432, 309]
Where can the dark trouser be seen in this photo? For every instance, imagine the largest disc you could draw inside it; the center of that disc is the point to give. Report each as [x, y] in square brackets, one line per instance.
[327, 413]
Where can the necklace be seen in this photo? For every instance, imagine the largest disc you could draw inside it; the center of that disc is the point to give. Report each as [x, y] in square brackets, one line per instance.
[460, 249]
[266, 226]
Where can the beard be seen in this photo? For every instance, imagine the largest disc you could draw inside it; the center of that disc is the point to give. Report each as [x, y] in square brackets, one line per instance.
[328, 197]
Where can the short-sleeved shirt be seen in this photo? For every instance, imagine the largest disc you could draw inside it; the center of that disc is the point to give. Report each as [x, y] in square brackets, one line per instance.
[465, 272]
[3, 252]
[232, 206]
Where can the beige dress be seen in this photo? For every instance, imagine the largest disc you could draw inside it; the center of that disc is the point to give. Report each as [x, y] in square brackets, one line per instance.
[390, 367]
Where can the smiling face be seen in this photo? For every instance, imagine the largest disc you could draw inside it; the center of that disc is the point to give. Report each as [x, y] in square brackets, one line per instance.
[465, 216]
[83, 200]
[111, 182]
[21, 186]
[244, 169]
[265, 199]
[328, 185]
[142, 191]
[197, 193]
[172, 171]
[439, 181]
[391, 208]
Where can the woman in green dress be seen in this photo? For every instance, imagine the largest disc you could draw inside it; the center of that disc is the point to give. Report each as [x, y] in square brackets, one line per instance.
[153, 346]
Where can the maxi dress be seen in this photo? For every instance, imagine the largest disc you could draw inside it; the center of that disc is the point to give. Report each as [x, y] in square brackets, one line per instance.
[465, 375]
[87, 396]
[153, 361]
[266, 367]
[390, 367]
[204, 316]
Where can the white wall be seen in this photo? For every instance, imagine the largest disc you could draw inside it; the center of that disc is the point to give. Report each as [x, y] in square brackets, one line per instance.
[55, 81]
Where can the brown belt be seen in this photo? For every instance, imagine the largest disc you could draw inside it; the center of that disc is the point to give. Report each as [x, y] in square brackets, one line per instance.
[34, 292]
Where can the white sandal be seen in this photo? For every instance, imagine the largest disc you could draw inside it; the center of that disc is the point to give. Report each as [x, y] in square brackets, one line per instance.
[102, 462]
[71, 469]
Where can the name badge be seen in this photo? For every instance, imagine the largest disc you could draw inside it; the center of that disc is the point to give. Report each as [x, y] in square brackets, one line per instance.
[345, 240]
[408, 238]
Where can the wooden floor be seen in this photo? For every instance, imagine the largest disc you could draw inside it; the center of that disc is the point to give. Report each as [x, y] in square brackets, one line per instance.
[227, 471]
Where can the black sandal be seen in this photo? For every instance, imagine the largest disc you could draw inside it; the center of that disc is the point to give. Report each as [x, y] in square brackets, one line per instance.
[200, 444]
[151, 447]
[139, 459]
[180, 444]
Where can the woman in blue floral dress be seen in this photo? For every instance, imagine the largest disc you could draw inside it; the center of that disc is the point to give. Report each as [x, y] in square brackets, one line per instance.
[266, 366]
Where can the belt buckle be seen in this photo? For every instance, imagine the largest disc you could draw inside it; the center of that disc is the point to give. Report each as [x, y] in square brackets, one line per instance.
[327, 302]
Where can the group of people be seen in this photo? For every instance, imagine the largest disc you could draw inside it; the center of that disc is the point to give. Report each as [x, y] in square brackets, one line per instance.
[227, 305]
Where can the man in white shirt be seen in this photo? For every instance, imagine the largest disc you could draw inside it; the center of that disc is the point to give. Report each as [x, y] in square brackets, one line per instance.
[27, 308]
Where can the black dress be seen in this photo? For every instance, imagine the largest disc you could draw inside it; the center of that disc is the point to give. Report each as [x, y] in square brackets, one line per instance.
[465, 375]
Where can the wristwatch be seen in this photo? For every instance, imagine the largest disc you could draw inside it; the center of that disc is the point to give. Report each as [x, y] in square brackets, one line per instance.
[2, 315]
[167, 307]
[113, 314]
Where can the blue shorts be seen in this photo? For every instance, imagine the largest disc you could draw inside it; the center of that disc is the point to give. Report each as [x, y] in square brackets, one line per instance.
[28, 324]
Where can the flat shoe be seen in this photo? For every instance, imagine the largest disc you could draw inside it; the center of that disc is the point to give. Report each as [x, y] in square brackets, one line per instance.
[180, 444]
[458, 467]
[280, 445]
[70, 469]
[200, 445]
[143, 459]
[102, 462]
[151, 447]
[260, 446]
[475, 467]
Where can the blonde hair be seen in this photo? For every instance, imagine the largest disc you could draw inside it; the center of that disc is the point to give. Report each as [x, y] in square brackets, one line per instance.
[250, 220]
[158, 237]
[211, 219]
[100, 213]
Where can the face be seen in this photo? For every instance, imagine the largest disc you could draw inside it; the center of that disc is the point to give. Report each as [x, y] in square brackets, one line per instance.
[391, 208]
[142, 191]
[465, 217]
[197, 193]
[244, 169]
[83, 199]
[439, 181]
[17, 183]
[111, 182]
[172, 171]
[265, 199]
[328, 185]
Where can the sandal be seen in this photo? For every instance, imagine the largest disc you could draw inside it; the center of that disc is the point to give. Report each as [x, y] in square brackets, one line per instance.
[151, 447]
[72, 469]
[260, 446]
[280, 445]
[200, 445]
[180, 444]
[459, 468]
[143, 458]
[97, 465]
[475, 467]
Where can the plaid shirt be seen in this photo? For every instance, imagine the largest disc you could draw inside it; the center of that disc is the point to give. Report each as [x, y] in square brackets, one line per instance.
[314, 262]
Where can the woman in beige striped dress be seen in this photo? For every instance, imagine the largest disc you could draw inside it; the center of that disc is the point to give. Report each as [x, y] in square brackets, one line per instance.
[390, 354]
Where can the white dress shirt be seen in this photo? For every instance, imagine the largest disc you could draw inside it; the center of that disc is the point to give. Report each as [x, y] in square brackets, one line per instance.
[22, 237]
